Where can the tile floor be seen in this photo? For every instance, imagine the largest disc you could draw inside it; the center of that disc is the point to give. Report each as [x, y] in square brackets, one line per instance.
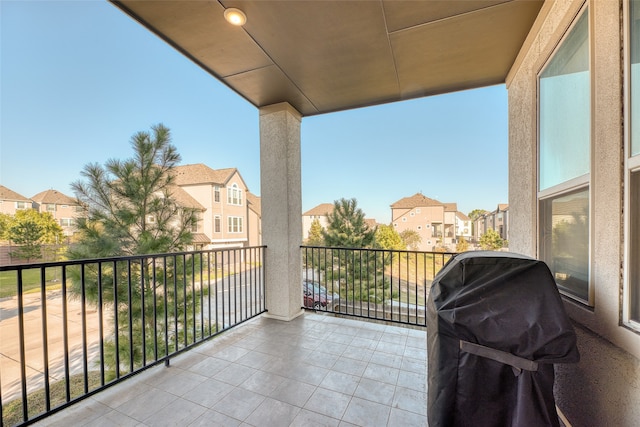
[316, 370]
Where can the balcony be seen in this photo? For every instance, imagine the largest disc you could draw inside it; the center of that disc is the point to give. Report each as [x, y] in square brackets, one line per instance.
[195, 347]
[315, 370]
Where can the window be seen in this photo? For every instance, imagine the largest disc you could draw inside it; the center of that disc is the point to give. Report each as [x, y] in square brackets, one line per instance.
[234, 224]
[404, 219]
[151, 219]
[564, 162]
[22, 205]
[216, 194]
[419, 227]
[51, 207]
[66, 222]
[632, 291]
[412, 214]
[216, 224]
[418, 210]
[234, 195]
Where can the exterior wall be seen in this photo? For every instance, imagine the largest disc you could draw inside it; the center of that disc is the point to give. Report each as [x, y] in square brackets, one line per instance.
[62, 212]
[205, 195]
[306, 223]
[603, 389]
[9, 206]
[422, 220]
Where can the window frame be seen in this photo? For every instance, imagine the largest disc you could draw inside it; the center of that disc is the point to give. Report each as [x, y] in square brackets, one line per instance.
[231, 227]
[575, 184]
[631, 166]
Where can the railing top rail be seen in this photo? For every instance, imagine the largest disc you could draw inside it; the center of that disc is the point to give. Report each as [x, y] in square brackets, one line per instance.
[378, 250]
[118, 258]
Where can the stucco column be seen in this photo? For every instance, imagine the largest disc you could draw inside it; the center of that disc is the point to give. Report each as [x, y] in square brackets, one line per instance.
[281, 199]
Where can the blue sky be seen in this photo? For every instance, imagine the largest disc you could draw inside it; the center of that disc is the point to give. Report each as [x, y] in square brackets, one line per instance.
[79, 78]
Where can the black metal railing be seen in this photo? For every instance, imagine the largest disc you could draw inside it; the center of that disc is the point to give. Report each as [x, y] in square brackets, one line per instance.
[69, 329]
[377, 284]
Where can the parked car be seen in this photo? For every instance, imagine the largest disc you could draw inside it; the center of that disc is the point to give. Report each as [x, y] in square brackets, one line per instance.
[317, 296]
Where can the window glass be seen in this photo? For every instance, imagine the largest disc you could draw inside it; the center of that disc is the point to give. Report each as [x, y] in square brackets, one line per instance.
[634, 44]
[565, 240]
[565, 110]
[564, 159]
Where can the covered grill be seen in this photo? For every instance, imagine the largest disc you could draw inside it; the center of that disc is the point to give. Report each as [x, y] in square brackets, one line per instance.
[495, 327]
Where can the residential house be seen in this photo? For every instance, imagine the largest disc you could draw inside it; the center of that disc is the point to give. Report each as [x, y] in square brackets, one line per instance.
[223, 195]
[10, 201]
[184, 199]
[497, 220]
[254, 221]
[320, 213]
[64, 209]
[434, 221]
[463, 227]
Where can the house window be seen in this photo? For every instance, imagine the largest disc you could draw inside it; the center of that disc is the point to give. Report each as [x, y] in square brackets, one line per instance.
[234, 224]
[216, 224]
[564, 162]
[216, 194]
[66, 222]
[419, 227]
[404, 219]
[234, 195]
[22, 205]
[418, 210]
[51, 207]
[151, 219]
[412, 214]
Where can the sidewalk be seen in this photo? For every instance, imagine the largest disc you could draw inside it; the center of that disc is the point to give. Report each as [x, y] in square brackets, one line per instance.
[10, 372]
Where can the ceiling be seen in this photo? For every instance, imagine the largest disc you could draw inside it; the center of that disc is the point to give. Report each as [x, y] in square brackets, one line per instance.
[322, 56]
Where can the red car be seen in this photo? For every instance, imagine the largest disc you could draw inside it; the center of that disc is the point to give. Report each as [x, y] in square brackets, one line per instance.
[313, 299]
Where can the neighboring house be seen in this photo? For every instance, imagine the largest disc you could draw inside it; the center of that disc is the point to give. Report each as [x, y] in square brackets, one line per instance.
[497, 220]
[320, 212]
[64, 209]
[184, 199]
[10, 201]
[223, 195]
[434, 221]
[254, 221]
[463, 227]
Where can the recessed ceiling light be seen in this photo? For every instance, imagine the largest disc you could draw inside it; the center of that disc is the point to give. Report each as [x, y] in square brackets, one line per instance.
[235, 16]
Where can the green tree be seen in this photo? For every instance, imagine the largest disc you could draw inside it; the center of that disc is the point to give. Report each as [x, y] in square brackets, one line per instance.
[315, 234]
[462, 245]
[355, 270]
[411, 239]
[491, 240]
[130, 211]
[5, 220]
[476, 213]
[388, 238]
[346, 226]
[31, 230]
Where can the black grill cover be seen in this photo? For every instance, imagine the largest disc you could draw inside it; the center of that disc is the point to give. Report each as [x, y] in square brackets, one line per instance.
[506, 302]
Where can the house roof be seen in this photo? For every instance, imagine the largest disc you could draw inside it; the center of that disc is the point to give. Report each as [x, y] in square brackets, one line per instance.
[450, 207]
[415, 201]
[201, 238]
[503, 207]
[7, 194]
[54, 197]
[254, 203]
[200, 173]
[462, 216]
[322, 209]
[184, 199]
[324, 56]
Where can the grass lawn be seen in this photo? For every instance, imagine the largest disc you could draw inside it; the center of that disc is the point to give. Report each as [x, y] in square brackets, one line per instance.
[30, 281]
[12, 411]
